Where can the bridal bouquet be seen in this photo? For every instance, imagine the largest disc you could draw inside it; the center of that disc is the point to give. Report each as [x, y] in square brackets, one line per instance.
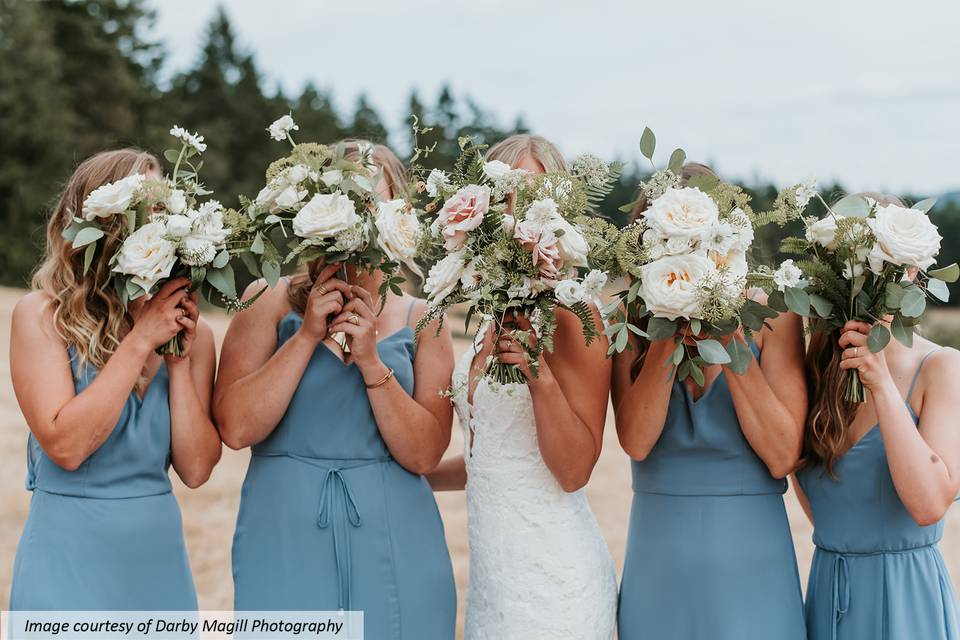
[687, 258]
[865, 261]
[164, 231]
[505, 242]
[319, 204]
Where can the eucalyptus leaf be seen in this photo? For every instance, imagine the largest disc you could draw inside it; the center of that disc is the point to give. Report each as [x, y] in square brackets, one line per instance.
[878, 338]
[776, 301]
[821, 305]
[88, 256]
[740, 356]
[271, 273]
[695, 326]
[251, 264]
[87, 235]
[222, 280]
[797, 300]
[677, 158]
[661, 328]
[696, 373]
[938, 289]
[221, 259]
[621, 341]
[925, 205]
[949, 273]
[901, 331]
[893, 295]
[914, 303]
[678, 354]
[712, 352]
[648, 143]
[171, 155]
[852, 206]
[257, 245]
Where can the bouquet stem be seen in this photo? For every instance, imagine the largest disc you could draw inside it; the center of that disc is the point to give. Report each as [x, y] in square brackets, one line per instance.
[172, 348]
[855, 390]
[506, 373]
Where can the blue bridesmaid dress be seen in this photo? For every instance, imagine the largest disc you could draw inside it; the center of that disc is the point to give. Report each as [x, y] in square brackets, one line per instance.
[107, 536]
[876, 573]
[329, 521]
[709, 551]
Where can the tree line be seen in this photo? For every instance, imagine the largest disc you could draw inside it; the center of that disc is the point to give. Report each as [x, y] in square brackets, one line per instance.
[79, 76]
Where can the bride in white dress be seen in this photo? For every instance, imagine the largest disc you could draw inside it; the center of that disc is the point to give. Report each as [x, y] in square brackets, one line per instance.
[539, 566]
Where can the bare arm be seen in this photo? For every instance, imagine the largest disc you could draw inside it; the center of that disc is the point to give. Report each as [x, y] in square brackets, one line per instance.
[641, 405]
[569, 398]
[251, 363]
[450, 475]
[415, 428]
[771, 398]
[194, 442]
[71, 426]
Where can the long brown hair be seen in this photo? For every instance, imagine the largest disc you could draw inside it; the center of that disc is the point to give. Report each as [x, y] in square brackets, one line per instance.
[689, 170]
[394, 174]
[87, 313]
[826, 436]
[514, 149]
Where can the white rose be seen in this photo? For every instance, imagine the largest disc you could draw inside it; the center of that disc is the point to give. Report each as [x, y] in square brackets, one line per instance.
[436, 182]
[569, 292]
[444, 277]
[176, 201]
[178, 226]
[112, 198]
[573, 247]
[289, 198]
[281, 127]
[682, 213]
[824, 232]
[668, 286]
[266, 196]
[906, 237]
[399, 231]
[787, 275]
[676, 246]
[496, 170]
[332, 178]
[593, 284]
[146, 255]
[197, 252]
[325, 215]
[876, 258]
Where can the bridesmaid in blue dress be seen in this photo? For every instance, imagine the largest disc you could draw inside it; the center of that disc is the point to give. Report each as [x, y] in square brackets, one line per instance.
[107, 417]
[709, 551]
[335, 513]
[877, 482]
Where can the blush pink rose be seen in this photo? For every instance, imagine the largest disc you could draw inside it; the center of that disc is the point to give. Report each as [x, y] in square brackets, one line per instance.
[462, 213]
[543, 247]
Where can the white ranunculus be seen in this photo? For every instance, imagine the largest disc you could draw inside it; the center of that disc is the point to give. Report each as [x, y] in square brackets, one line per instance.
[112, 198]
[176, 202]
[682, 213]
[824, 232]
[325, 215]
[146, 255]
[281, 127]
[906, 237]
[573, 246]
[668, 286]
[399, 231]
[496, 170]
[444, 277]
[178, 226]
[436, 182]
[569, 292]
[787, 275]
[197, 252]
[593, 284]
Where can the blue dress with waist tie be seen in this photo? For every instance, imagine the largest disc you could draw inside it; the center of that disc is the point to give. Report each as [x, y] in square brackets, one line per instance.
[876, 573]
[329, 520]
[107, 536]
[709, 551]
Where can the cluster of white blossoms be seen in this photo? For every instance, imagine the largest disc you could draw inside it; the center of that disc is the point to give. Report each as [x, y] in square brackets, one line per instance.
[691, 247]
[281, 128]
[592, 169]
[285, 191]
[190, 139]
[788, 275]
[891, 234]
[505, 179]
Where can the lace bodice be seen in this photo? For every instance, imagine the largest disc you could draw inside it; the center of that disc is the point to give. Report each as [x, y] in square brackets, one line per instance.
[539, 566]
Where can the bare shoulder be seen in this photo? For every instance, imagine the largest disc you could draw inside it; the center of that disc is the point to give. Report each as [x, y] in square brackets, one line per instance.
[33, 313]
[942, 363]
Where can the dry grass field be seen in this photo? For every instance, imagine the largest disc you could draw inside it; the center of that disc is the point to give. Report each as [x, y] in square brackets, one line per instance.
[209, 512]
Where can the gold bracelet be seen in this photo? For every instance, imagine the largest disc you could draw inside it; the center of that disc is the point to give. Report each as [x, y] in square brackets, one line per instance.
[382, 381]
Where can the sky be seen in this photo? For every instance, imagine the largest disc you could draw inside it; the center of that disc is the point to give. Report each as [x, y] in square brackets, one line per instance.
[865, 92]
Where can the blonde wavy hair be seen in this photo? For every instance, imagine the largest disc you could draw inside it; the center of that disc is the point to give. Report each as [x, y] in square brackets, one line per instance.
[87, 312]
[514, 149]
[394, 174]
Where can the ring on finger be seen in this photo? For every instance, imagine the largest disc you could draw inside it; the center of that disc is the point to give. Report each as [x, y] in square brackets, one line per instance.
[354, 318]
[322, 289]
[856, 352]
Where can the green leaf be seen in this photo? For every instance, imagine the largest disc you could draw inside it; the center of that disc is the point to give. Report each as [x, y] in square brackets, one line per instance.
[852, 206]
[223, 281]
[621, 341]
[221, 260]
[740, 356]
[87, 235]
[821, 305]
[648, 143]
[949, 273]
[893, 295]
[661, 328]
[902, 331]
[776, 301]
[797, 300]
[696, 373]
[250, 263]
[677, 158]
[171, 155]
[913, 304]
[878, 338]
[257, 245]
[856, 286]
[925, 205]
[938, 289]
[678, 354]
[695, 326]
[712, 352]
[271, 272]
[703, 183]
[88, 256]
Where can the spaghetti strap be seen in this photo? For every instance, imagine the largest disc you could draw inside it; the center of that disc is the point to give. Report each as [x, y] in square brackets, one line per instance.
[410, 312]
[916, 375]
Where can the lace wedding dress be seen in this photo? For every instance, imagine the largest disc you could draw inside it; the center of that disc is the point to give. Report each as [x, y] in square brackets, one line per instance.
[539, 566]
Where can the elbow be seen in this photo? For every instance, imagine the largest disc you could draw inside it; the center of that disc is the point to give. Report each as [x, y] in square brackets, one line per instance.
[781, 470]
[424, 465]
[928, 514]
[233, 440]
[231, 432]
[572, 481]
[66, 461]
[195, 480]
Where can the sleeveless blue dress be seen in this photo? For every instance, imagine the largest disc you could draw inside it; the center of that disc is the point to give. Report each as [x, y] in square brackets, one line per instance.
[107, 536]
[709, 551]
[876, 573]
[329, 521]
